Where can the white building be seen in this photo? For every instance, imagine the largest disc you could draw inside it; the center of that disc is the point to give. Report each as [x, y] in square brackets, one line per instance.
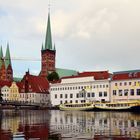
[5, 90]
[86, 86]
[125, 85]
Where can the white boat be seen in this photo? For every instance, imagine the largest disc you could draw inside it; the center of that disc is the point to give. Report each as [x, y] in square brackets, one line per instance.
[122, 105]
[77, 106]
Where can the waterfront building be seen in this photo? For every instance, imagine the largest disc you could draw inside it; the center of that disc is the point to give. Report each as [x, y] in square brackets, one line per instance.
[6, 71]
[14, 92]
[125, 85]
[34, 89]
[5, 90]
[85, 87]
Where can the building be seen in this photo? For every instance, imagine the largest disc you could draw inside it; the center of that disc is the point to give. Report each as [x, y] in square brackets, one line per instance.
[6, 71]
[5, 92]
[14, 92]
[34, 89]
[48, 55]
[86, 86]
[125, 85]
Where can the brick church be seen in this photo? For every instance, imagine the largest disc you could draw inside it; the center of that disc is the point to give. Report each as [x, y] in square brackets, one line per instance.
[6, 71]
[48, 55]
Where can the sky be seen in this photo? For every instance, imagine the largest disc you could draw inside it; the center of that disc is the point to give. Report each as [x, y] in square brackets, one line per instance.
[89, 35]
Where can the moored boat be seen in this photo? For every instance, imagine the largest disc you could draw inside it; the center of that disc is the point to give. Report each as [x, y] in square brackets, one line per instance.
[122, 105]
[77, 106]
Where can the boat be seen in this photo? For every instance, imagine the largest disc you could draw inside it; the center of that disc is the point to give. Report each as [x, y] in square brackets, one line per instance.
[77, 106]
[119, 105]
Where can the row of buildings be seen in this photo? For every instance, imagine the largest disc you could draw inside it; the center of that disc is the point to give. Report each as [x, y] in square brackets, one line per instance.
[99, 86]
[73, 87]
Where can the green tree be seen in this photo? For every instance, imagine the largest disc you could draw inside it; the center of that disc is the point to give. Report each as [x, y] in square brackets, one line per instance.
[53, 76]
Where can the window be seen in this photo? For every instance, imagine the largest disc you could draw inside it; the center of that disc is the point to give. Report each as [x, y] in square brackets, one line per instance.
[55, 96]
[126, 92]
[131, 92]
[70, 101]
[103, 86]
[106, 86]
[77, 95]
[114, 92]
[76, 101]
[100, 86]
[66, 102]
[115, 84]
[61, 96]
[61, 102]
[66, 96]
[88, 94]
[93, 94]
[120, 84]
[125, 83]
[129, 83]
[138, 91]
[120, 92]
[71, 95]
[105, 93]
[100, 94]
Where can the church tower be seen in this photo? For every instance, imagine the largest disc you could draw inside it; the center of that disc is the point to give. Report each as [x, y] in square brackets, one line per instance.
[48, 53]
[8, 65]
[6, 71]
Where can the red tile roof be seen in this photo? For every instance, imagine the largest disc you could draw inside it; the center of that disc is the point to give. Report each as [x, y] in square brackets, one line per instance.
[98, 75]
[126, 75]
[5, 83]
[36, 84]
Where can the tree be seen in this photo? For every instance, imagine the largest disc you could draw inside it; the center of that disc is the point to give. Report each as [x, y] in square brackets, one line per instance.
[53, 76]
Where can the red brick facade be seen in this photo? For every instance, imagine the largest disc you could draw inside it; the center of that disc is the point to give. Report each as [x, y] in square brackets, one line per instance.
[48, 62]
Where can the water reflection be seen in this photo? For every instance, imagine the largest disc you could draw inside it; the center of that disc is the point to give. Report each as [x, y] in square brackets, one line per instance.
[89, 125]
[61, 125]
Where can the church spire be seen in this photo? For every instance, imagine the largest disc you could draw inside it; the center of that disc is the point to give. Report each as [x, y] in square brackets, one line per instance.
[1, 56]
[1, 53]
[7, 57]
[48, 39]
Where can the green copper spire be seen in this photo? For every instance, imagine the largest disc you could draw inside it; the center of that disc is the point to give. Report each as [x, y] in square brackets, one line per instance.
[7, 57]
[54, 48]
[1, 52]
[48, 39]
[1, 56]
[42, 47]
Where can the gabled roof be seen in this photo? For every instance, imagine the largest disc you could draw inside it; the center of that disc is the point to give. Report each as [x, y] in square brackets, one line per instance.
[98, 75]
[126, 75]
[36, 84]
[5, 83]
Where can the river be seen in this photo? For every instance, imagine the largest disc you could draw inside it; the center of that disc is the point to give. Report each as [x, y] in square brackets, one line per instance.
[68, 125]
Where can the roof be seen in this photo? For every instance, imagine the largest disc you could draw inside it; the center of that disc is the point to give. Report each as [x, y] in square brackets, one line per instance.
[48, 39]
[98, 75]
[126, 75]
[65, 72]
[17, 79]
[7, 57]
[35, 84]
[5, 83]
[1, 56]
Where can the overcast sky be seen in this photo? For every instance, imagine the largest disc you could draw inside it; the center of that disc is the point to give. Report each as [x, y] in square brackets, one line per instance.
[89, 34]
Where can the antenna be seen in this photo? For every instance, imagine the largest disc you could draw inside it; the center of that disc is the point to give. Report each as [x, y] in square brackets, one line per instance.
[49, 6]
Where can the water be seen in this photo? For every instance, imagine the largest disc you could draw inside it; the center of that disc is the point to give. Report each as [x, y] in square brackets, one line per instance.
[65, 125]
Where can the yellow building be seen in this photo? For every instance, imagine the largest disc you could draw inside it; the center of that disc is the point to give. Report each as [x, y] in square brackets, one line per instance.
[14, 92]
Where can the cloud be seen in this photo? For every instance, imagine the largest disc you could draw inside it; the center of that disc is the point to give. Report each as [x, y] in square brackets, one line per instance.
[89, 35]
